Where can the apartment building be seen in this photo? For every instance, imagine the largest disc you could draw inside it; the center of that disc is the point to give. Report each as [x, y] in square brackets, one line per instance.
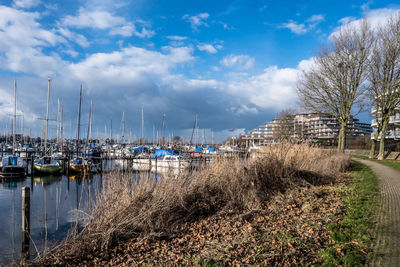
[311, 127]
[393, 130]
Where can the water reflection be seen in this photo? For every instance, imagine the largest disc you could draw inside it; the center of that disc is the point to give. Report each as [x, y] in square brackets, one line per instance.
[55, 201]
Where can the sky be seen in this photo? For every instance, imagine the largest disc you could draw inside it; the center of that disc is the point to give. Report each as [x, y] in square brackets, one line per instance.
[234, 63]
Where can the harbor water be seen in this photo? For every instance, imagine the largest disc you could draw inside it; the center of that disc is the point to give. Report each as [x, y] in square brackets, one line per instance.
[54, 202]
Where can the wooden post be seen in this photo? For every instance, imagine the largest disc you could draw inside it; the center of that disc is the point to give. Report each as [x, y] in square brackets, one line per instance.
[32, 169]
[68, 165]
[156, 168]
[26, 168]
[26, 204]
[150, 167]
[179, 164]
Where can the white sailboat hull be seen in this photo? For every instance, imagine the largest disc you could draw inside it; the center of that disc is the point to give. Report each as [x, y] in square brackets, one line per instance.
[160, 165]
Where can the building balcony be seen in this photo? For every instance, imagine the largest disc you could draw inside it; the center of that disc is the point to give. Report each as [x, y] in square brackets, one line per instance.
[394, 119]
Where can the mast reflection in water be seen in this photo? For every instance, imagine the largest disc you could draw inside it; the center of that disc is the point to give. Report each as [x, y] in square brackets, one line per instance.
[54, 201]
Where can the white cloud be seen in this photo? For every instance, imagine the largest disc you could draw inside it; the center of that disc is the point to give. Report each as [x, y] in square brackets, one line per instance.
[180, 83]
[72, 53]
[226, 26]
[197, 20]
[374, 17]
[273, 89]
[75, 37]
[294, 27]
[365, 6]
[26, 3]
[238, 61]
[207, 47]
[302, 28]
[316, 18]
[379, 16]
[99, 19]
[244, 109]
[22, 40]
[346, 20]
[129, 65]
[176, 37]
[306, 64]
[104, 20]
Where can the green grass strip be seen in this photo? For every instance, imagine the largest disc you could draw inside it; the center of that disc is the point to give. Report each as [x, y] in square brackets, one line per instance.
[351, 237]
[390, 163]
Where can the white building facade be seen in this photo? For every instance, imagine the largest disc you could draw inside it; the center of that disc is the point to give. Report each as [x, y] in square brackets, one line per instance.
[393, 128]
[311, 127]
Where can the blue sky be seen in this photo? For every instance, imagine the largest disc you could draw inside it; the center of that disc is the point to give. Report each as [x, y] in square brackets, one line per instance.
[234, 63]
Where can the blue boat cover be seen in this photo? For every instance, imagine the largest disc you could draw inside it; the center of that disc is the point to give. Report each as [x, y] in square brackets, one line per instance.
[139, 149]
[163, 152]
[13, 161]
[198, 149]
[211, 149]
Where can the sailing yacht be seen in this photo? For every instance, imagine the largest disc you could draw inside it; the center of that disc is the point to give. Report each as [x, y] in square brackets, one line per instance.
[163, 161]
[79, 164]
[12, 165]
[46, 164]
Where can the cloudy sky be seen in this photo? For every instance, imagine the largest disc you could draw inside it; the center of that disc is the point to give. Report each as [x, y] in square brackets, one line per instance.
[234, 63]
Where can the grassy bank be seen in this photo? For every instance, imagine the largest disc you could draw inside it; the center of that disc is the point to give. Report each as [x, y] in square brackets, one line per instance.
[390, 163]
[351, 237]
[271, 209]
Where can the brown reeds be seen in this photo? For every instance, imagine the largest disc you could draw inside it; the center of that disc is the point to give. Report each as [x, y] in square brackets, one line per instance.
[128, 208]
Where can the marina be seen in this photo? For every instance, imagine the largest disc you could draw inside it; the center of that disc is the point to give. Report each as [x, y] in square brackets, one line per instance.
[60, 195]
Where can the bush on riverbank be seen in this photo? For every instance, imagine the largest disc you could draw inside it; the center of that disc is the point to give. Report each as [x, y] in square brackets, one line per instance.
[127, 210]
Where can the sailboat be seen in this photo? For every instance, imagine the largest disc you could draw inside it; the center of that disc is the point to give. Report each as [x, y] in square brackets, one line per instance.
[79, 164]
[12, 165]
[47, 164]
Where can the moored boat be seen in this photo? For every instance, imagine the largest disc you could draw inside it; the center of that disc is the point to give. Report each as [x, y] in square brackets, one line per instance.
[80, 165]
[163, 161]
[12, 166]
[47, 165]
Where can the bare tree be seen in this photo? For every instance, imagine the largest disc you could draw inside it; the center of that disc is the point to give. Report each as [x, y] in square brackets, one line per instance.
[335, 83]
[284, 125]
[384, 73]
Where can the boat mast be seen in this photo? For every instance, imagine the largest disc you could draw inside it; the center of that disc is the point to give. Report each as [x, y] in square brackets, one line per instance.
[79, 121]
[142, 137]
[203, 138]
[90, 120]
[194, 132]
[89, 133]
[197, 130]
[47, 115]
[58, 121]
[15, 114]
[111, 130]
[123, 127]
[62, 127]
[154, 133]
[163, 129]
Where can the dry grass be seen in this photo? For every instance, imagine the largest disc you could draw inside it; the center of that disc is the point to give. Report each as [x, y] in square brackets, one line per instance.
[127, 209]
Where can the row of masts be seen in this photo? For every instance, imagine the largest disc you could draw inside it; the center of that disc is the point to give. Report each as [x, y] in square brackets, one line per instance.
[60, 128]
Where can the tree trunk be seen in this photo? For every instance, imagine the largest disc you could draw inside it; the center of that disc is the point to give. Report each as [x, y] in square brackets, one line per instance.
[383, 135]
[342, 136]
[373, 145]
[339, 145]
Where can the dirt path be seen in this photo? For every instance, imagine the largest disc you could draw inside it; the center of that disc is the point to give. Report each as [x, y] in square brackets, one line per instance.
[387, 230]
